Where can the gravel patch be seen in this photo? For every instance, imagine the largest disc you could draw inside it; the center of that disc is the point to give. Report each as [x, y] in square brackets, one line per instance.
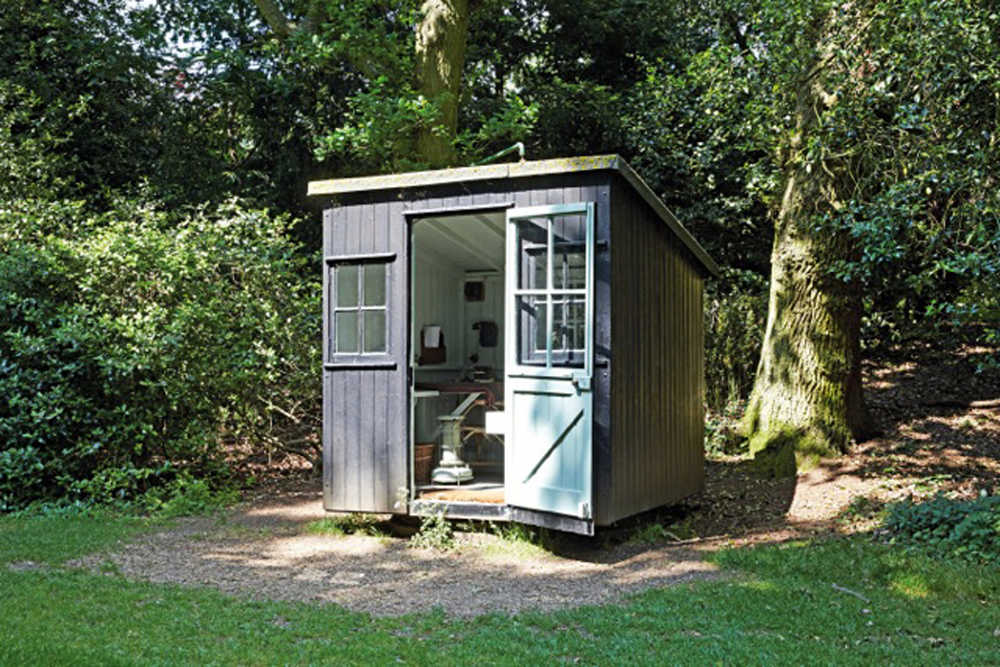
[265, 553]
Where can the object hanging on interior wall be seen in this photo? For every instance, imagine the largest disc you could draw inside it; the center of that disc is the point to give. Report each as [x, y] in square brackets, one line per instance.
[475, 291]
[488, 333]
[432, 348]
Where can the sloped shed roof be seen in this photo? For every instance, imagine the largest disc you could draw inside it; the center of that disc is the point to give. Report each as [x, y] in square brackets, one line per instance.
[520, 170]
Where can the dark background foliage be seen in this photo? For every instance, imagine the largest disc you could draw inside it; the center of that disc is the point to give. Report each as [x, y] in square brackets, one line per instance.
[158, 282]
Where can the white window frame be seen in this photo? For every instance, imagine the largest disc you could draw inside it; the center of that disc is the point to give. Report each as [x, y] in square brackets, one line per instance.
[513, 342]
[333, 358]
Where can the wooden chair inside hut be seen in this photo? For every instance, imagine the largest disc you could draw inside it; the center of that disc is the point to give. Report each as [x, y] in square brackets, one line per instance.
[483, 442]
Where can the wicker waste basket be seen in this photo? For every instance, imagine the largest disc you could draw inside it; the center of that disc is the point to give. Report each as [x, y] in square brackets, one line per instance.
[423, 462]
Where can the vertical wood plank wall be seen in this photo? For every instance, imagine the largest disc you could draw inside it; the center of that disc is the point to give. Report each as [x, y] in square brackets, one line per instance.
[365, 412]
[657, 375]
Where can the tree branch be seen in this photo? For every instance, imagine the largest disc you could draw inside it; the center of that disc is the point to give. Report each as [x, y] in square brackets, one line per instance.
[734, 26]
[274, 17]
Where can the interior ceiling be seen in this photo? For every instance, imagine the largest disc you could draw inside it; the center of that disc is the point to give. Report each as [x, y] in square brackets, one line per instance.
[469, 242]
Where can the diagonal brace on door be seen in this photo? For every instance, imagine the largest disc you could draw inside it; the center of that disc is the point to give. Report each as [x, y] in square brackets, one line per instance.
[558, 441]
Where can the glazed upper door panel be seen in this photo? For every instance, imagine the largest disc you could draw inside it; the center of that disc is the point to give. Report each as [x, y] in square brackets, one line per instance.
[549, 365]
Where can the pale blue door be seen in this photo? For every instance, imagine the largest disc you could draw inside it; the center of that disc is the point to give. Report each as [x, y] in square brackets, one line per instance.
[549, 359]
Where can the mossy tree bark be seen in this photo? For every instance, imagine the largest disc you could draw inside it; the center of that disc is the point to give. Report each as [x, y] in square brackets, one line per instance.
[440, 50]
[807, 396]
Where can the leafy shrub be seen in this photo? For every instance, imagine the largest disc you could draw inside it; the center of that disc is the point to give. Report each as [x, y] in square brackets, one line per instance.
[20, 475]
[185, 496]
[132, 344]
[965, 528]
[435, 533]
[735, 312]
[722, 429]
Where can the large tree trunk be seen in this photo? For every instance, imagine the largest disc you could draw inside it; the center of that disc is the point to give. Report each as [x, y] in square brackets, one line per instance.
[440, 48]
[441, 39]
[807, 394]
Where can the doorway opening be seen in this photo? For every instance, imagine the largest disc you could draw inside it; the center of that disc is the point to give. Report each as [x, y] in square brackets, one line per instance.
[457, 302]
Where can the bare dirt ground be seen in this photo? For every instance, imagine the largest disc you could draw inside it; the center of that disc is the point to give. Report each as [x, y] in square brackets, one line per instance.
[265, 551]
[933, 441]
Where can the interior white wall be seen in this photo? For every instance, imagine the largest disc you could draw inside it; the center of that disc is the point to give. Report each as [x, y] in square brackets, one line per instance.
[436, 301]
[489, 309]
[447, 251]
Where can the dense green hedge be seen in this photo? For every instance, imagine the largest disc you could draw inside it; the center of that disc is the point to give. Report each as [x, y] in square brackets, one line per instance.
[135, 343]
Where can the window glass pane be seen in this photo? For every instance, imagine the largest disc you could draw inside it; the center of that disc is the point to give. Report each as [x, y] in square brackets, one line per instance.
[374, 331]
[347, 285]
[531, 329]
[532, 239]
[374, 284]
[570, 270]
[568, 330]
[569, 322]
[569, 238]
[537, 261]
[347, 331]
[541, 328]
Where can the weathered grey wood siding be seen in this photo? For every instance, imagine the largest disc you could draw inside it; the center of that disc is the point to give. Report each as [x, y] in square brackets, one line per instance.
[657, 375]
[364, 409]
[366, 413]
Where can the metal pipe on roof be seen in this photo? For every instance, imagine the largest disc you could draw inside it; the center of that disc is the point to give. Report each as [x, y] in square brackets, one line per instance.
[519, 147]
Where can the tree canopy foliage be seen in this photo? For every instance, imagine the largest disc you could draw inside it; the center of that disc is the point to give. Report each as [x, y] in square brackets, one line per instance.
[142, 143]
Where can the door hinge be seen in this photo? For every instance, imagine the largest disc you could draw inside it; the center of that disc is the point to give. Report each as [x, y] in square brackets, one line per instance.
[585, 510]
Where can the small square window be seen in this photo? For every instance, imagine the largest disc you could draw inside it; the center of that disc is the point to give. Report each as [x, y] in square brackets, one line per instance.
[358, 310]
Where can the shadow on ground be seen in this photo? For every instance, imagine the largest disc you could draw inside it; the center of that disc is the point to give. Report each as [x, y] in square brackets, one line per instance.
[265, 549]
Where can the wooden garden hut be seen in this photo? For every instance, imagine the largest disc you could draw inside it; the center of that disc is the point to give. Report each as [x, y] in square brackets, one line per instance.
[519, 342]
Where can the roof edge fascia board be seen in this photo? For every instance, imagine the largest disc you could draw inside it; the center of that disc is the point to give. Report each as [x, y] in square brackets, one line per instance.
[519, 170]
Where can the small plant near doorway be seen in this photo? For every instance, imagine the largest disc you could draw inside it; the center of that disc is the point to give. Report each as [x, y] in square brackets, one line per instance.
[435, 533]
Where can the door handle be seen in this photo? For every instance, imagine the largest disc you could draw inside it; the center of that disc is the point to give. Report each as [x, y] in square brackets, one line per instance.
[581, 381]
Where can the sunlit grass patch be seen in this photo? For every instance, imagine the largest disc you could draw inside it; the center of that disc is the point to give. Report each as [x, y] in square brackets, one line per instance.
[56, 539]
[815, 602]
[911, 585]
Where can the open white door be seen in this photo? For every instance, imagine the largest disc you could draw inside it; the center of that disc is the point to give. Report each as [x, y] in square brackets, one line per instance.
[549, 359]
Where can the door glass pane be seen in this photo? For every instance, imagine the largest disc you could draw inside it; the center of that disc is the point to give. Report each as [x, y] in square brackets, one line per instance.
[374, 331]
[347, 285]
[532, 239]
[347, 331]
[569, 241]
[568, 328]
[374, 284]
[531, 328]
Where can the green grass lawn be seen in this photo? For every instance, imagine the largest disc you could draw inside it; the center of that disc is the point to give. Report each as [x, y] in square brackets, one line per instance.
[780, 606]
